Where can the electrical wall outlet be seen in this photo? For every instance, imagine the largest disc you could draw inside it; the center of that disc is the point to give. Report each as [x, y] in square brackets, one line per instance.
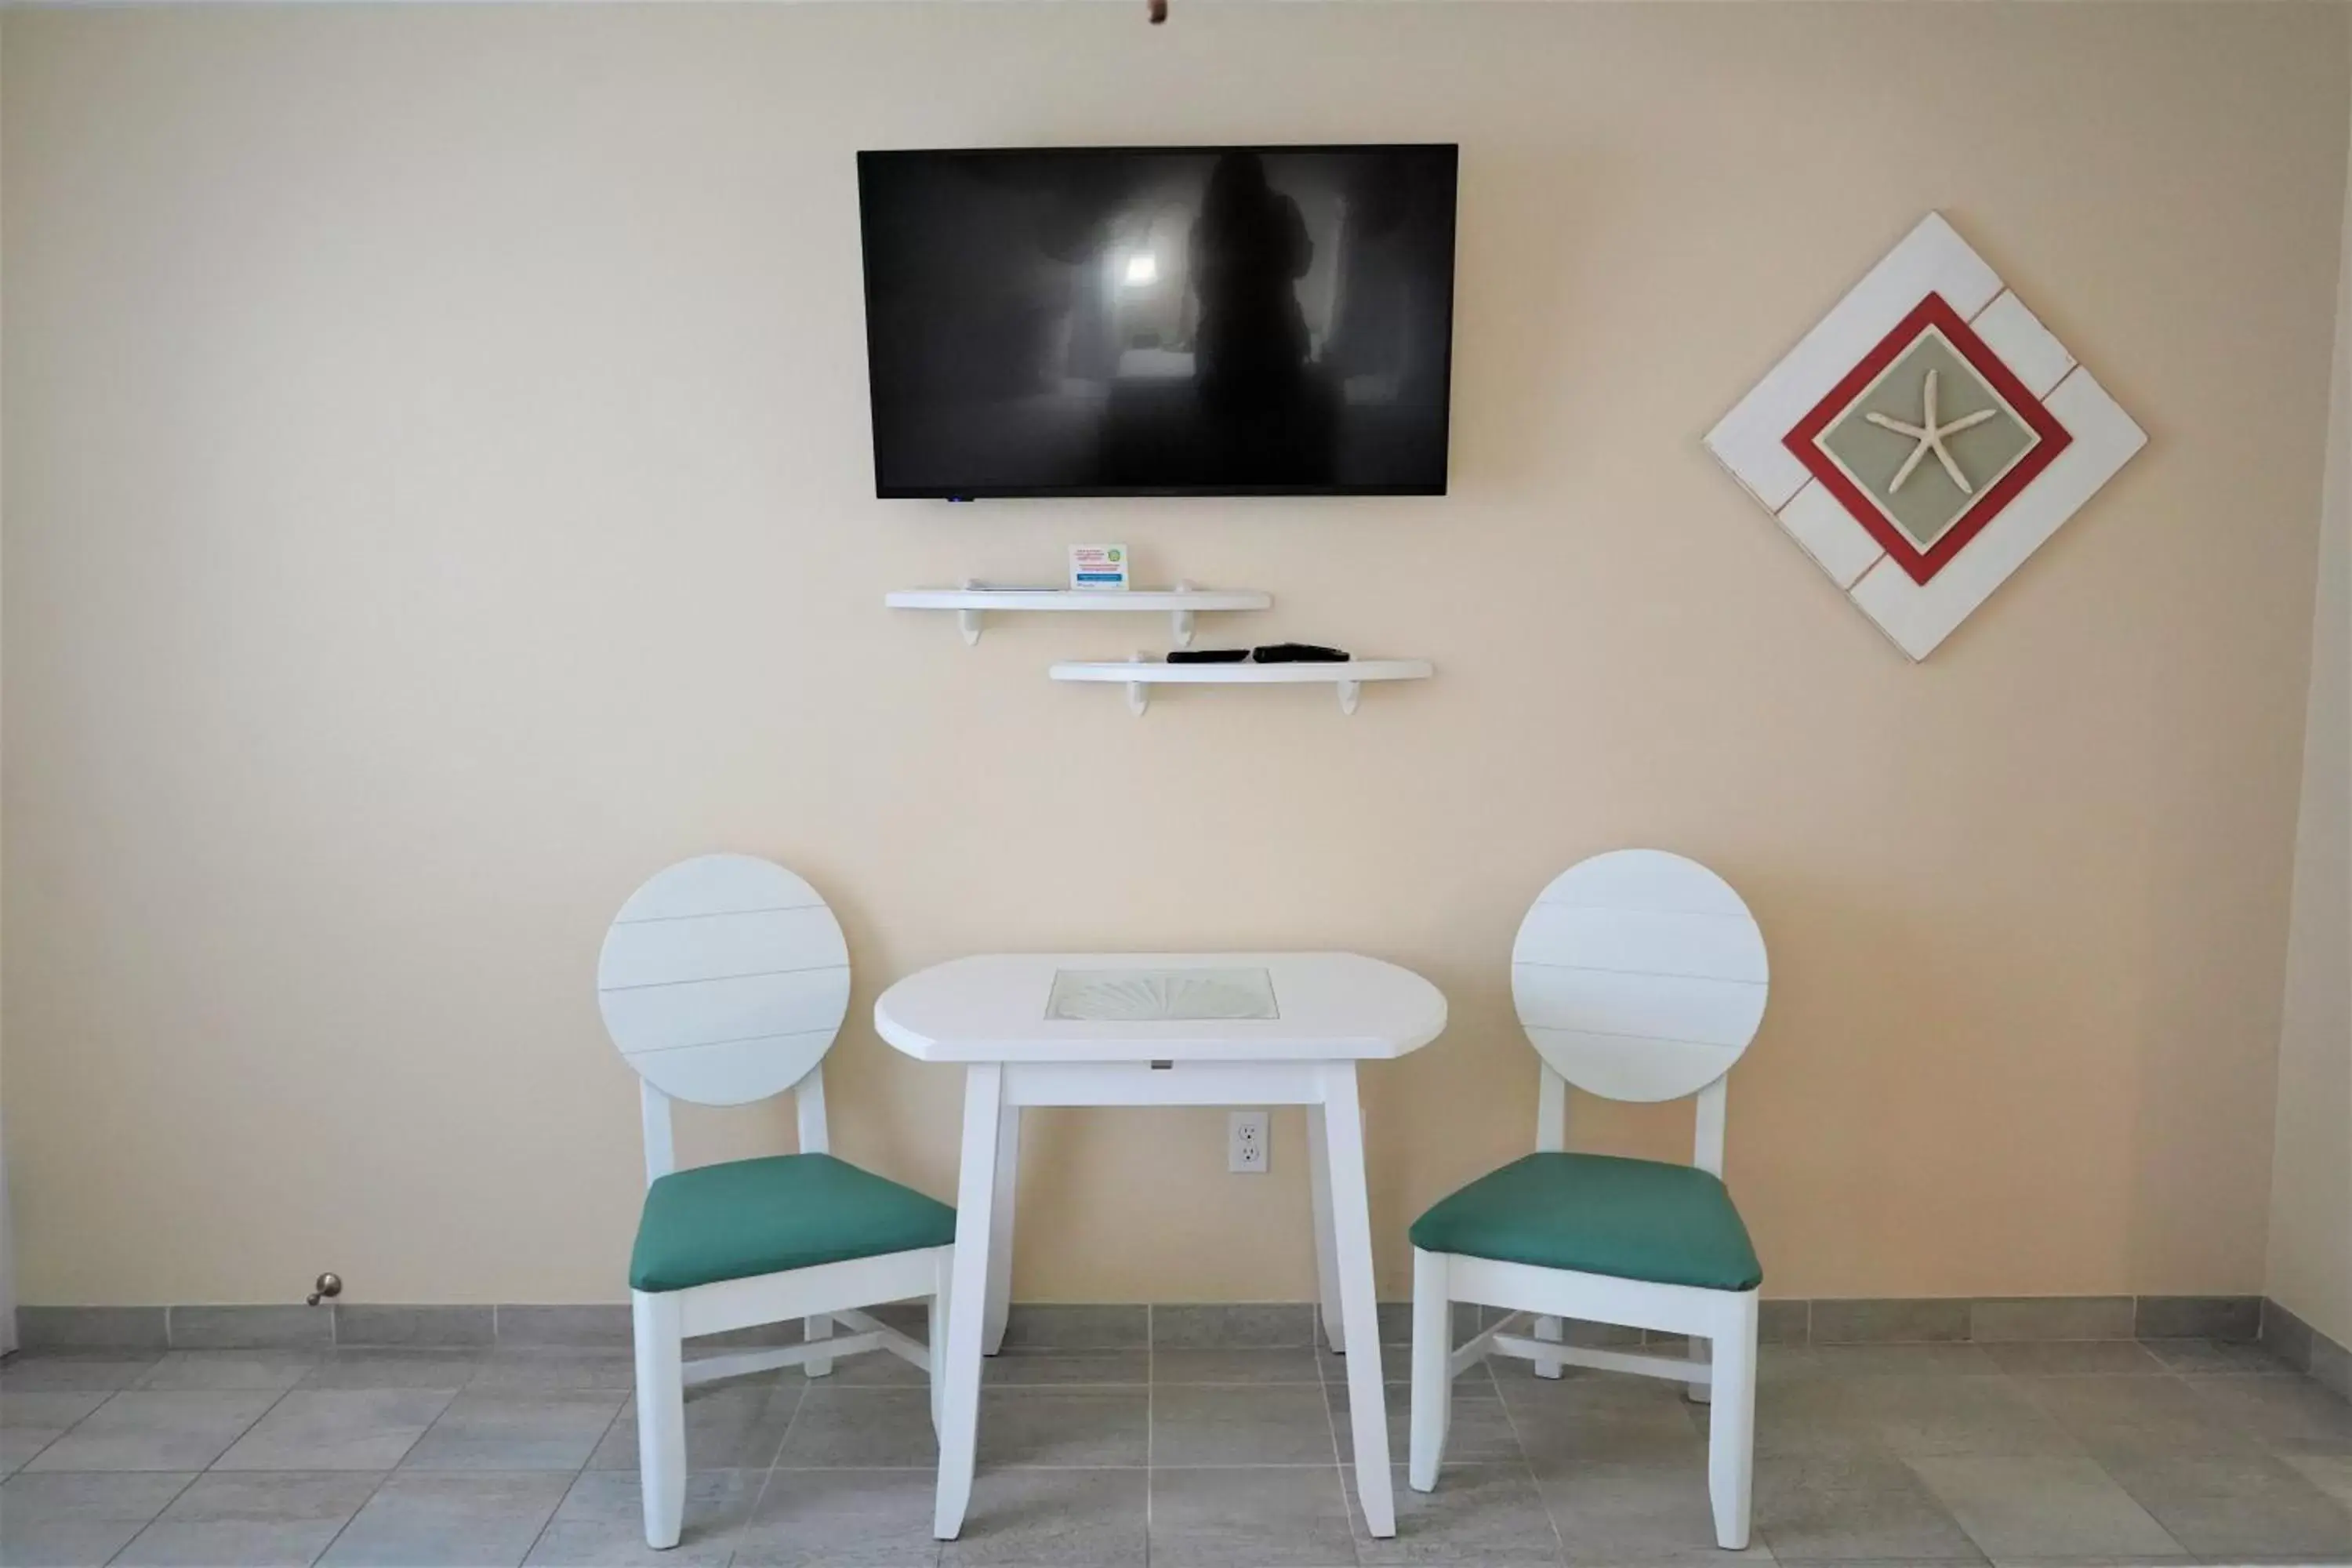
[1245, 1142]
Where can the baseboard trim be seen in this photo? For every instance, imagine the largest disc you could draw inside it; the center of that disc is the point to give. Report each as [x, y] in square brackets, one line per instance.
[1075, 1326]
[2305, 1349]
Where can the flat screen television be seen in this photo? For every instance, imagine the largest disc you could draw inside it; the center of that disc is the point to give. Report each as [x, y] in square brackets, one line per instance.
[1159, 321]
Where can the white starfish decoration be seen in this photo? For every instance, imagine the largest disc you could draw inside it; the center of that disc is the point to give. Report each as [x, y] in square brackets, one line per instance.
[1930, 436]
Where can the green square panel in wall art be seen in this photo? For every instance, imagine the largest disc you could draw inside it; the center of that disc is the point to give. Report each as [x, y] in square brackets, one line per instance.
[1926, 438]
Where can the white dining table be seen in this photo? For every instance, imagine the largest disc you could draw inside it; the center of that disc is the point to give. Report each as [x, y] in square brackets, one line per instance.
[1228, 1028]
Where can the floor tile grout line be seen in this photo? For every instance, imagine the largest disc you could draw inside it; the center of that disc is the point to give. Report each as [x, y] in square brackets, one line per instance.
[1315, 1343]
[541, 1533]
[1909, 1462]
[549, 1522]
[342, 1529]
[160, 1512]
[993, 1465]
[1519, 1442]
[200, 1474]
[1152, 1419]
[775, 1463]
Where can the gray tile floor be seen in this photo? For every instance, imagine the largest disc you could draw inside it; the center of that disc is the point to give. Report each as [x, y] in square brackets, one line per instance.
[2095, 1454]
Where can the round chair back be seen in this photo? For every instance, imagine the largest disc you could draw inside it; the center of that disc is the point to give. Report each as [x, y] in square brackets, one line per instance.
[1640, 975]
[724, 980]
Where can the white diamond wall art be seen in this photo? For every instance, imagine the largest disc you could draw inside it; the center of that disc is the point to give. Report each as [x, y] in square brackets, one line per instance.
[1924, 438]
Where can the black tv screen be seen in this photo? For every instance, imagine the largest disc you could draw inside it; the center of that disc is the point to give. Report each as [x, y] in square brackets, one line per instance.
[1159, 321]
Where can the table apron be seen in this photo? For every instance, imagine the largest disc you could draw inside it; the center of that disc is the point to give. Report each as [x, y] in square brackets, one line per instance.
[1177, 1083]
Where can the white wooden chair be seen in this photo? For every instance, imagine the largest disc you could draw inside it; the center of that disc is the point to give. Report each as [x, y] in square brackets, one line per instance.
[1639, 975]
[724, 980]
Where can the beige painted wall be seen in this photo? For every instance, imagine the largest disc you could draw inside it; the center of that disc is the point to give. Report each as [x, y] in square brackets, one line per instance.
[2311, 1167]
[439, 495]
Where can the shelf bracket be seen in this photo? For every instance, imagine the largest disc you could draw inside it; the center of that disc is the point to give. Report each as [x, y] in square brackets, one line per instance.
[1139, 693]
[968, 621]
[1349, 691]
[1182, 628]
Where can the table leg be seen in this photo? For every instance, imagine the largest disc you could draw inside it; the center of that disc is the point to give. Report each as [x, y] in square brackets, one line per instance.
[1000, 1239]
[1326, 1260]
[1352, 1235]
[984, 1099]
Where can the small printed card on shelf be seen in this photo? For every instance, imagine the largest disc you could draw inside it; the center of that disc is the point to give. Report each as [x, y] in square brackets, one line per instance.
[1099, 567]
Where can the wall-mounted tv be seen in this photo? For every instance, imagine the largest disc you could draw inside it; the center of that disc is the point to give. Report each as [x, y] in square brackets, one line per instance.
[1159, 321]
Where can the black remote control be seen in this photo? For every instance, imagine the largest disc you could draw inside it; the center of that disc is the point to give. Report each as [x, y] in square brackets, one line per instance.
[1209, 656]
[1298, 653]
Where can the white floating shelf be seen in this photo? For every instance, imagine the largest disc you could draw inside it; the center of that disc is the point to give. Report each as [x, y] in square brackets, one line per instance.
[1179, 602]
[1139, 674]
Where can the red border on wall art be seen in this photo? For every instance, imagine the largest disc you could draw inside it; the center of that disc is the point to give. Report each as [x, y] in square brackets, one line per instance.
[1931, 312]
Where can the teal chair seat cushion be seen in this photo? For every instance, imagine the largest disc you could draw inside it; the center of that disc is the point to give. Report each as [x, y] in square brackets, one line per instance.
[1598, 1214]
[748, 1218]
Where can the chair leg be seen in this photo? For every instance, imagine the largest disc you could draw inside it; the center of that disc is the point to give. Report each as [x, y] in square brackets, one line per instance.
[1548, 1329]
[661, 1414]
[1695, 1390]
[1731, 1424]
[935, 1331]
[812, 1329]
[1432, 1382]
